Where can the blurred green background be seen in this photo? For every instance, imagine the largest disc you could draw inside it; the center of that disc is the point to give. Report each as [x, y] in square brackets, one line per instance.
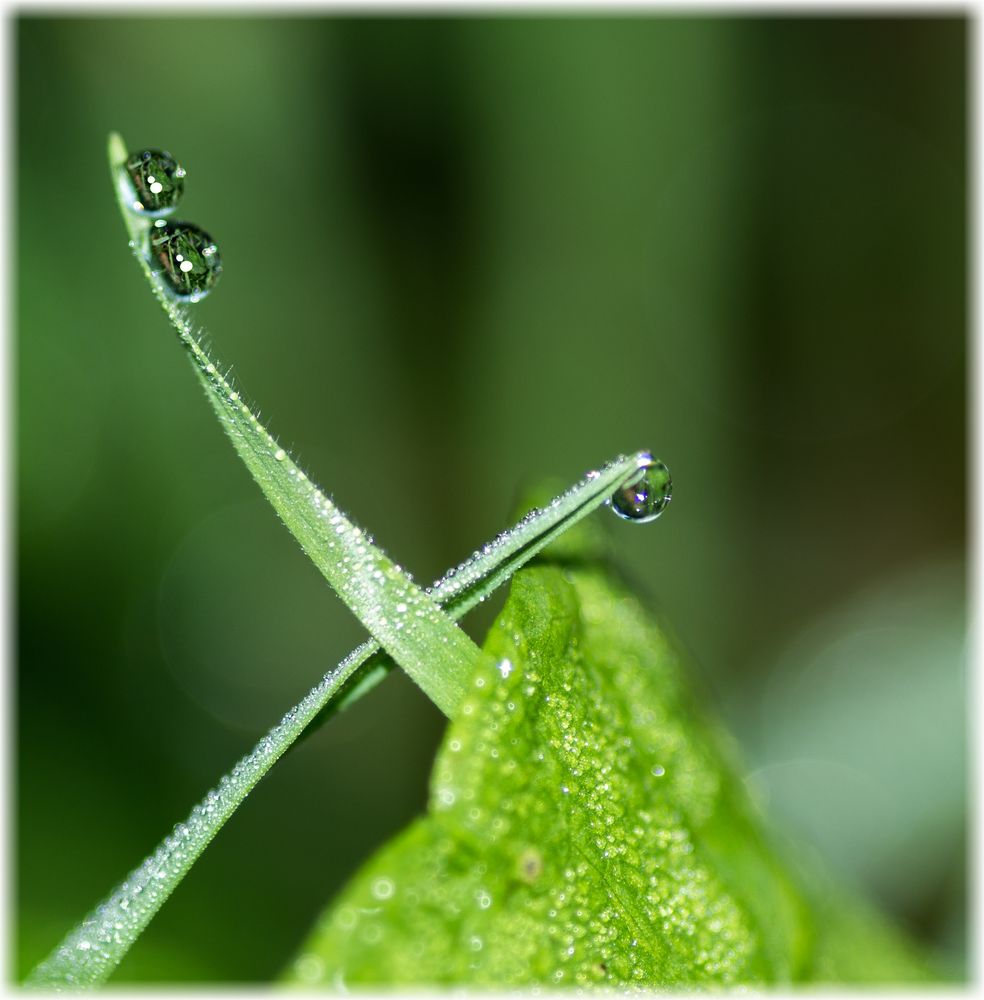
[461, 256]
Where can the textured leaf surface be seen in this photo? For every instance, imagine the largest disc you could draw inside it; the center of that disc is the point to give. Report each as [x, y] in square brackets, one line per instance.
[586, 827]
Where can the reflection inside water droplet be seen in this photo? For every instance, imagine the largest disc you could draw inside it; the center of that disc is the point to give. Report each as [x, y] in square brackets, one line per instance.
[188, 257]
[644, 497]
[154, 181]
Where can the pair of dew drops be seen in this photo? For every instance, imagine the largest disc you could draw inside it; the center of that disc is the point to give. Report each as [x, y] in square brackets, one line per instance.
[191, 265]
[188, 257]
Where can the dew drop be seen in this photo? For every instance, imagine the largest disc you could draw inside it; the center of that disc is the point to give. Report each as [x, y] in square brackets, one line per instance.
[658, 771]
[309, 968]
[383, 888]
[644, 497]
[188, 256]
[154, 181]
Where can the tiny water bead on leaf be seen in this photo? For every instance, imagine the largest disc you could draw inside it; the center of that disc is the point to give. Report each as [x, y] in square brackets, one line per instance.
[644, 497]
[188, 256]
[155, 180]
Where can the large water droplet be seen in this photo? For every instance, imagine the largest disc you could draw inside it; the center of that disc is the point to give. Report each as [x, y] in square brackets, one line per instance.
[644, 497]
[188, 257]
[155, 181]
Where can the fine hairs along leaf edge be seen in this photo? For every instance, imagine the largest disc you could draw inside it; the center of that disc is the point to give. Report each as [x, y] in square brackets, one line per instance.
[436, 654]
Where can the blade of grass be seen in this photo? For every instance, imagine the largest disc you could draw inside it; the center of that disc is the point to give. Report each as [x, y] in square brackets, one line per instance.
[90, 953]
[403, 618]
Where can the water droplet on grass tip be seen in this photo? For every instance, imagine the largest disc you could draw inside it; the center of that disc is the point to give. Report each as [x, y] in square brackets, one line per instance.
[155, 181]
[188, 256]
[644, 497]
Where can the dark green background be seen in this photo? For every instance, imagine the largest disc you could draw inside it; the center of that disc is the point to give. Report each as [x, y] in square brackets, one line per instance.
[460, 256]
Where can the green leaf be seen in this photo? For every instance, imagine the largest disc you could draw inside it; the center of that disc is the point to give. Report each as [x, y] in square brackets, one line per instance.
[586, 826]
[423, 637]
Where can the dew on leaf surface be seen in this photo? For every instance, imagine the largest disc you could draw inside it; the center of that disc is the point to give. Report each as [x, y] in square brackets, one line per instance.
[383, 888]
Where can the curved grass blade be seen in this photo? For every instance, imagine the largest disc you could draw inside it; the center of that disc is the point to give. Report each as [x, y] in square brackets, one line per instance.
[403, 618]
[90, 953]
